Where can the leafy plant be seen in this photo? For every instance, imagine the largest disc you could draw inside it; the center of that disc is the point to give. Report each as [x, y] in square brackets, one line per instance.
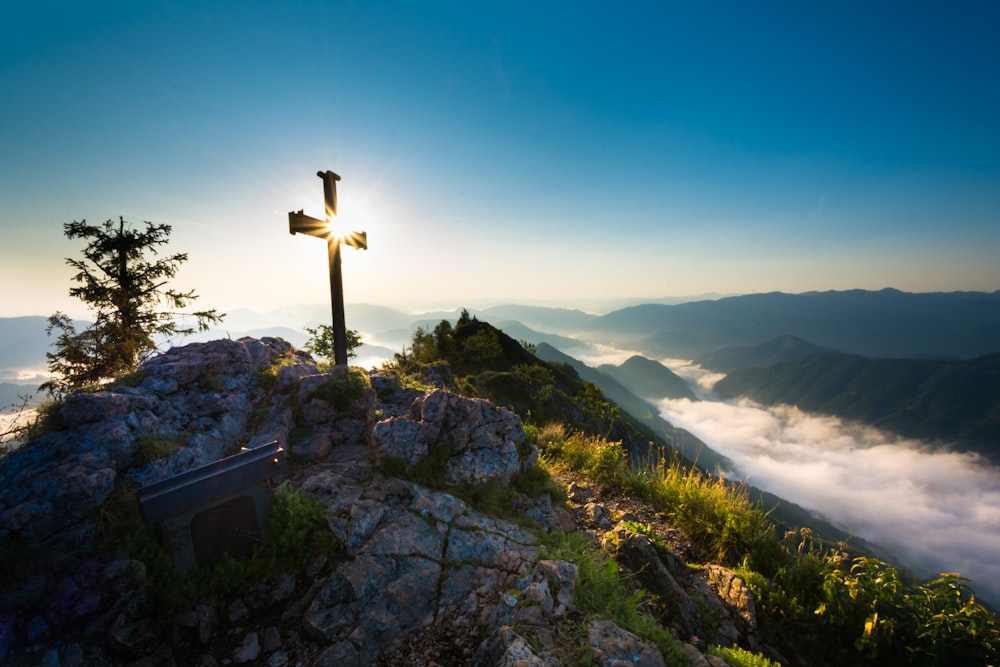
[322, 344]
[592, 456]
[297, 533]
[740, 657]
[430, 470]
[345, 389]
[709, 510]
[539, 379]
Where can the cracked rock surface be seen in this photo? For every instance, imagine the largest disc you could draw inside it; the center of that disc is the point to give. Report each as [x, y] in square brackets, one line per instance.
[420, 576]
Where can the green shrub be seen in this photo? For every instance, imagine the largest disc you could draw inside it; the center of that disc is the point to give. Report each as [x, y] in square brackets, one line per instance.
[835, 608]
[119, 515]
[297, 533]
[297, 530]
[740, 657]
[430, 470]
[267, 378]
[345, 389]
[537, 481]
[393, 466]
[602, 593]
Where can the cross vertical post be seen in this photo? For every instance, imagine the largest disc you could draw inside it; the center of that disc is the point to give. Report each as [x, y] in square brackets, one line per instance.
[304, 224]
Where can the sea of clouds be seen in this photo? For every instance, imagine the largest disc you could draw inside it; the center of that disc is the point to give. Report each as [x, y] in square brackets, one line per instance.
[934, 511]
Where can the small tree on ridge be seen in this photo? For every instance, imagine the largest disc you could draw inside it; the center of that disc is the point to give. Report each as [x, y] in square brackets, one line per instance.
[321, 343]
[132, 305]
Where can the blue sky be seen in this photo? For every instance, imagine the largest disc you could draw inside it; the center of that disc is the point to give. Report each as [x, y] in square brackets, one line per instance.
[564, 153]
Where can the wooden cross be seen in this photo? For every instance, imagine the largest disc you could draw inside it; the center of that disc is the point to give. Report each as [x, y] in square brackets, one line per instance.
[299, 223]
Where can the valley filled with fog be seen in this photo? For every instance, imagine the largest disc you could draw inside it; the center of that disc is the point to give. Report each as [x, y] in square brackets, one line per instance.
[933, 511]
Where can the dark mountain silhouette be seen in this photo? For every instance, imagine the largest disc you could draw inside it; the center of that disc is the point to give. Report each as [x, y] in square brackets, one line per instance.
[521, 332]
[686, 444]
[775, 351]
[949, 401]
[886, 323]
[648, 378]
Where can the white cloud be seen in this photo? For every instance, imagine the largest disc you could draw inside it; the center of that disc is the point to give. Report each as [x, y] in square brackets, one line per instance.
[595, 354]
[701, 380]
[936, 511]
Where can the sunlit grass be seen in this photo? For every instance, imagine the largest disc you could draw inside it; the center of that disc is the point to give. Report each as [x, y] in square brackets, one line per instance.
[715, 514]
[601, 592]
[829, 606]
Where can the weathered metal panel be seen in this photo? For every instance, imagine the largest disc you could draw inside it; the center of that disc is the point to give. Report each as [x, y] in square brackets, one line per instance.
[222, 507]
[199, 486]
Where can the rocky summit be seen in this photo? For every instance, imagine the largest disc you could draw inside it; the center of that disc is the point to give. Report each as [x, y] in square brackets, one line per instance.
[413, 574]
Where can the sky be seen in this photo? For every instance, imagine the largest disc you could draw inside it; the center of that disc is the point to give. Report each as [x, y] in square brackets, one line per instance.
[557, 153]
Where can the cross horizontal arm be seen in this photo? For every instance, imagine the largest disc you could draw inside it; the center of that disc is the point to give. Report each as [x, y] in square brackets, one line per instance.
[357, 240]
[298, 223]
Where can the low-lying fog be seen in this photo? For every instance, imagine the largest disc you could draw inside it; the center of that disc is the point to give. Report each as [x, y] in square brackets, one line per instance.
[934, 511]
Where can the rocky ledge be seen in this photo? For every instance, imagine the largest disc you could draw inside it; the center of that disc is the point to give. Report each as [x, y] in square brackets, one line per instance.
[420, 577]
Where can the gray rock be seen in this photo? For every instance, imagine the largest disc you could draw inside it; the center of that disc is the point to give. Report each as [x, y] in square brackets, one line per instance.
[612, 646]
[509, 649]
[278, 659]
[578, 493]
[483, 438]
[237, 610]
[248, 650]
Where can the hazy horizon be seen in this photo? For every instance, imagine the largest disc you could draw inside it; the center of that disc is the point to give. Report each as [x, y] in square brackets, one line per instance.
[77, 309]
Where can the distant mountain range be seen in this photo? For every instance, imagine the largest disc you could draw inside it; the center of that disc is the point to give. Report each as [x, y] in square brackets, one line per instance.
[887, 323]
[945, 401]
[801, 346]
[778, 350]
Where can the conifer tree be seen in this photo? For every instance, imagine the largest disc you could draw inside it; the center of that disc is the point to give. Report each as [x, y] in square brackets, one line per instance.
[127, 290]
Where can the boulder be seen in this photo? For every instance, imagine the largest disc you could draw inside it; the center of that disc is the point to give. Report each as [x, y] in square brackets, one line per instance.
[482, 439]
[612, 646]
